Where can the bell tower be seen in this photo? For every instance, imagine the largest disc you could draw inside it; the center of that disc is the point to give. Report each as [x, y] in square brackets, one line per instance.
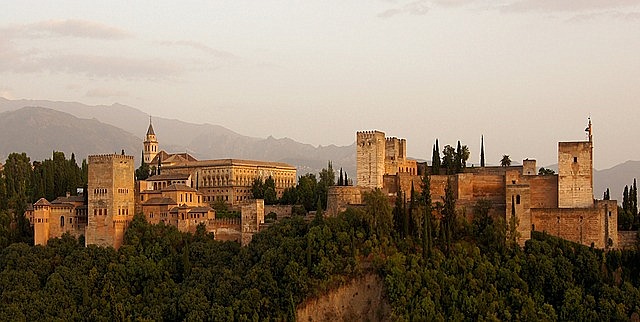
[150, 144]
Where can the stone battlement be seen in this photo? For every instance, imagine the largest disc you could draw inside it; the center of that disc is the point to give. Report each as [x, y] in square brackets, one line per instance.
[363, 135]
[108, 157]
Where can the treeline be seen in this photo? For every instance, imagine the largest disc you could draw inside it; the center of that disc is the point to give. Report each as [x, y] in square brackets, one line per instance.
[628, 217]
[162, 274]
[23, 182]
[471, 271]
[310, 191]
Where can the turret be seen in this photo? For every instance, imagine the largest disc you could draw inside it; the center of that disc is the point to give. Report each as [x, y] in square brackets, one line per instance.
[150, 144]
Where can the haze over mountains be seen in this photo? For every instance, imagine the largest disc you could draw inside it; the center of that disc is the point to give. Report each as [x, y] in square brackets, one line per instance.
[75, 127]
[39, 127]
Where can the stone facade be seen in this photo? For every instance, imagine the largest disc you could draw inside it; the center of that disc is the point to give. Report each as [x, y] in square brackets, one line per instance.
[562, 204]
[227, 180]
[377, 155]
[53, 219]
[111, 202]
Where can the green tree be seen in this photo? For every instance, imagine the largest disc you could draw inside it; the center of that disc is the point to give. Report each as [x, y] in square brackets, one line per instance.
[307, 191]
[448, 215]
[435, 159]
[505, 161]
[257, 188]
[449, 159]
[143, 172]
[427, 218]
[378, 211]
[327, 179]
[482, 151]
[269, 191]
[546, 172]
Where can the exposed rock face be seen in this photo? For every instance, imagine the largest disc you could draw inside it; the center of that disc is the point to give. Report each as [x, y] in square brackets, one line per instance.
[360, 300]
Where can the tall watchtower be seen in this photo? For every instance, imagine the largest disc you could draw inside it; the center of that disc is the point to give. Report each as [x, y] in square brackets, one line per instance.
[150, 144]
[111, 200]
[41, 217]
[575, 172]
[370, 158]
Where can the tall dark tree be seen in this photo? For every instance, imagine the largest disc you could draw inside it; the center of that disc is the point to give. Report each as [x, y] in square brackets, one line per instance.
[257, 189]
[341, 179]
[448, 216]
[269, 191]
[482, 151]
[327, 179]
[399, 216]
[346, 179]
[625, 199]
[413, 227]
[505, 161]
[607, 195]
[449, 159]
[435, 159]
[633, 196]
[458, 158]
[427, 221]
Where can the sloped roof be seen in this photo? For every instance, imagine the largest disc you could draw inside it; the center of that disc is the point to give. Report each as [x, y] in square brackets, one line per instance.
[158, 201]
[150, 130]
[200, 209]
[169, 176]
[68, 199]
[42, 202]
[179, 187]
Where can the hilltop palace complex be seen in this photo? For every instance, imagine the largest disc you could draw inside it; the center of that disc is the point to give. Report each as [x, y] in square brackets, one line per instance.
[184, 189]
[180, 194]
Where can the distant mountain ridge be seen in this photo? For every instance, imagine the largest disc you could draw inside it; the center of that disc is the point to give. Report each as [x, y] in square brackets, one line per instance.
[204, 141]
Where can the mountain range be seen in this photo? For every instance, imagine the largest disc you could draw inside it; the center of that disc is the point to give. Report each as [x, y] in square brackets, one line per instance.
[39, 127]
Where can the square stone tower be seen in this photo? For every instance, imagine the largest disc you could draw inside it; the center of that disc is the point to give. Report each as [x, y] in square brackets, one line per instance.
[370, 158]
[575, 173]
[111, 199]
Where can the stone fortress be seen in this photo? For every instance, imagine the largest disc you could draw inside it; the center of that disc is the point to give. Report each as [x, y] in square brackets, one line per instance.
[561, 204]
[181, 194]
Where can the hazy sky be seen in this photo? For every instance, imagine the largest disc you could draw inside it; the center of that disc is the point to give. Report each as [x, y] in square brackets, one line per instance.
[525, 73]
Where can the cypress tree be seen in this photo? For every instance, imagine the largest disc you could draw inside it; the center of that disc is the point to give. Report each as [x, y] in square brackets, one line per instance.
[427, 238]
[457, 160]
[341, 179]
[482, 151]
[435, 159]
[625, 199]
[346, 179]
[634, 199]
[412, 206]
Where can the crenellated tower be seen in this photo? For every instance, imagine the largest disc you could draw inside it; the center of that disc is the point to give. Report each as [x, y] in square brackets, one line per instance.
[111, 201]
[150, 144]
[370, 159]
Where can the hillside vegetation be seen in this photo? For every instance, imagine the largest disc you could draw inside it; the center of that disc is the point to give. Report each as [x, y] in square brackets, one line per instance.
[162, 274]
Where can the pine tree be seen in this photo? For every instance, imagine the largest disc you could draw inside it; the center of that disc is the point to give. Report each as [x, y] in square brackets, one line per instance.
[482, 151]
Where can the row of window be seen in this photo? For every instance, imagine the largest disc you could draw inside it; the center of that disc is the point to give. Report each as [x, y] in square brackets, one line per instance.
[99, 191]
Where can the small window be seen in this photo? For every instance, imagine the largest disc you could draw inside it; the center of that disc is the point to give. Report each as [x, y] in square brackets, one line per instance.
[517, 199]
[62, 221]
[575, 159]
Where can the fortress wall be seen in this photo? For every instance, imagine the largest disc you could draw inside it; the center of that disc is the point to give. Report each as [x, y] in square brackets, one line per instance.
[628, 239]
[339, 197]
[544, 191]
[580, 225]
[490, 187]
[282, 211]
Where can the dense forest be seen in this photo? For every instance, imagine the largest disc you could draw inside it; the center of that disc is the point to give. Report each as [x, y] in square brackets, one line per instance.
[434, 267]
[163, 274]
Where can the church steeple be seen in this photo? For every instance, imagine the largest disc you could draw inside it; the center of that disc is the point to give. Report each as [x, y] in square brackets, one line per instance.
[150, 144]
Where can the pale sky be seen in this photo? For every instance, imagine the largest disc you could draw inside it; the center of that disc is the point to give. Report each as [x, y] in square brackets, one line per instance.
[525, 73]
